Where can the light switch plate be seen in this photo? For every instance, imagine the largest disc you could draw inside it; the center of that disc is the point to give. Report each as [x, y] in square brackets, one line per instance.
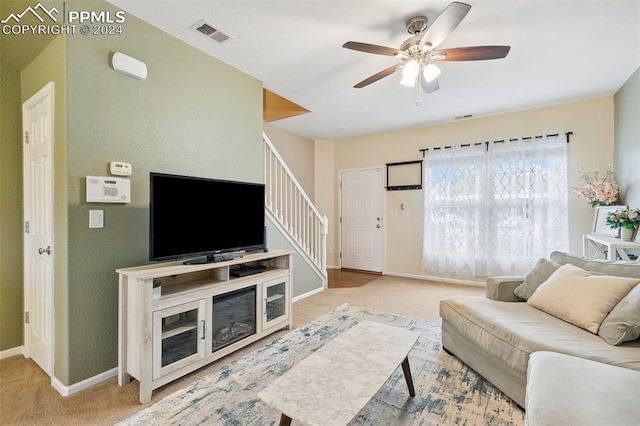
[96, 218]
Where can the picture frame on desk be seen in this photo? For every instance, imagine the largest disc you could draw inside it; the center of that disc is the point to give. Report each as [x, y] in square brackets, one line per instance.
[600, 226]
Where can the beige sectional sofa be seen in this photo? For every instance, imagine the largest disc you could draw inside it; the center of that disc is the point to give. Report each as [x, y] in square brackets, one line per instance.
[496, 334]
[572, 391]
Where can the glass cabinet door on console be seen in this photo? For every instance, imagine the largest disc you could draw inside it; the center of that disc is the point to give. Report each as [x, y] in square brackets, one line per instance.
[274, 305]
[182, 341]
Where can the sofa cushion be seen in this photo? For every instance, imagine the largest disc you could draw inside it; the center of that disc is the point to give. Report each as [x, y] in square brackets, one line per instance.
[607, 267]
[623, 323]
[576, 296]
[566, 390]
[541, 272]
[510, 331]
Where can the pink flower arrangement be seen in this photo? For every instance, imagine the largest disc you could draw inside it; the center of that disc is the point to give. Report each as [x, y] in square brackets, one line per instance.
[599, 191]
[625, 218]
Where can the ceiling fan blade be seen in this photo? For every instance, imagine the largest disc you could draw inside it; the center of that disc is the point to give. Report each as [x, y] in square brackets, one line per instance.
[472, 53]
[372, 48]
[446, 22]
[378, 76]
[430, 87]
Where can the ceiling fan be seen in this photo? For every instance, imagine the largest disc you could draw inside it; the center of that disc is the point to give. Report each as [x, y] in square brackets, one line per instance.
[418, 52]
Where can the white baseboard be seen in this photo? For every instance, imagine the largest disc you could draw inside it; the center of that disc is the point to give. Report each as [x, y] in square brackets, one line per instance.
[11, 352]
[65, 390]
[307, 294]
[439, 279]
[62, 389]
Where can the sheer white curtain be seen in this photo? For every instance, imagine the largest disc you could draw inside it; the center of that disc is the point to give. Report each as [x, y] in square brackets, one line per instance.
[496, 209]
[455, 210]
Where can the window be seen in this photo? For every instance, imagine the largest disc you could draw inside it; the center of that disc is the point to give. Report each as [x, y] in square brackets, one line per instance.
[494, 211]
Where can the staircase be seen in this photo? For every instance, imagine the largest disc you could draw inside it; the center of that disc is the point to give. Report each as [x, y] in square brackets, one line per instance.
[293, 213]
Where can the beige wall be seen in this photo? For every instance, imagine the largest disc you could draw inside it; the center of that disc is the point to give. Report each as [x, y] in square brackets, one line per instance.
[326, 176]
[592, 143]
[298, 153]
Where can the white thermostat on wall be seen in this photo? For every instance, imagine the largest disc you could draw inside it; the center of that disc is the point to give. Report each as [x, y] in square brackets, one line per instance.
[120, 169]
[102, 189]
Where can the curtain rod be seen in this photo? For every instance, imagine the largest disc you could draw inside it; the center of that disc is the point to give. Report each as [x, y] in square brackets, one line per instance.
[524, 138]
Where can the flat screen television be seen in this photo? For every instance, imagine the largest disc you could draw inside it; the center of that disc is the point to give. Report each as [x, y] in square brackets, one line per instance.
[201, 218]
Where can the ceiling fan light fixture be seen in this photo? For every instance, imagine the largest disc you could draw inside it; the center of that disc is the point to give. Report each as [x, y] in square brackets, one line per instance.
[410, 71]
[418, 52]
[430, 72]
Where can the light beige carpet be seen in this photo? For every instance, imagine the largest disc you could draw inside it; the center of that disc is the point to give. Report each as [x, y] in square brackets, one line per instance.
[27, 398]
[447, 392]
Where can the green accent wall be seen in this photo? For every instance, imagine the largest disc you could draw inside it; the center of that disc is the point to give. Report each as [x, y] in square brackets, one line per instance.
[20, 49]
[626, 151]
[305, 278]
[11, 247]
[193, 115]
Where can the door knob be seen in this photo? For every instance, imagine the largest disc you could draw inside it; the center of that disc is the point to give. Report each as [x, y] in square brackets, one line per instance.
[378, 226]
[47, 250]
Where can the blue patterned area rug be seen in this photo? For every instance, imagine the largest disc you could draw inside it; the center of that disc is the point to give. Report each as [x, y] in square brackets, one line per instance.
[447, 391]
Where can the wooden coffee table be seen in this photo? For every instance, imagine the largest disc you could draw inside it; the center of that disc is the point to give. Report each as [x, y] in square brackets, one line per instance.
[333, 384]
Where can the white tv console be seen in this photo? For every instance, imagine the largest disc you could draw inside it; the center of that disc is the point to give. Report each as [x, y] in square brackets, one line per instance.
[175, 318]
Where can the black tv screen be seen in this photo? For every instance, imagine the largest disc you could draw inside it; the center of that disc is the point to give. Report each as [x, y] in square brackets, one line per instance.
[192, 216]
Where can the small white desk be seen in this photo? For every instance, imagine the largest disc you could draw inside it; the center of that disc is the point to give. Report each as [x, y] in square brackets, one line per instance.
[607, 247]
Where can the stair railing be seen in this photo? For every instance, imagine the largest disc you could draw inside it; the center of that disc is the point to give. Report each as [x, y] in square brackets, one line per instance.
[294, 211]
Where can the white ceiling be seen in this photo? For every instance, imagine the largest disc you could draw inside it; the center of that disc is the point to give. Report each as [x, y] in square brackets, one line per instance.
[561, 51]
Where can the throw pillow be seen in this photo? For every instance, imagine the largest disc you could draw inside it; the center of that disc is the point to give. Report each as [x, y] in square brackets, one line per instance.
[623, 323]
[574, 295]
[538, 275]
[606, 267]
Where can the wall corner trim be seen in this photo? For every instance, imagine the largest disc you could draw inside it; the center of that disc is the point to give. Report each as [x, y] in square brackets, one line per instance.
[308, 294]
[65, 390]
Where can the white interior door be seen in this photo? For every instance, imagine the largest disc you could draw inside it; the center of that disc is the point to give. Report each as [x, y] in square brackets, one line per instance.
[361, 219]
[37, 118]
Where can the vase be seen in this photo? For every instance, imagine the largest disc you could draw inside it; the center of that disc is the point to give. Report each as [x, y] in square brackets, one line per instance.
[626, 234]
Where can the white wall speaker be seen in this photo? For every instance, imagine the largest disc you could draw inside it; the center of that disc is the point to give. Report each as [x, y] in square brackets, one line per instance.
[129, 66]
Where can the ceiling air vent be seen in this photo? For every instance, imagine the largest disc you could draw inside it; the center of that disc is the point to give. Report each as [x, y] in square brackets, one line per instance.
[210, 32]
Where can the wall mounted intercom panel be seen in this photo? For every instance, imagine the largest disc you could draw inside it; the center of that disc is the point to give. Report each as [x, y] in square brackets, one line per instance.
[102, 189]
